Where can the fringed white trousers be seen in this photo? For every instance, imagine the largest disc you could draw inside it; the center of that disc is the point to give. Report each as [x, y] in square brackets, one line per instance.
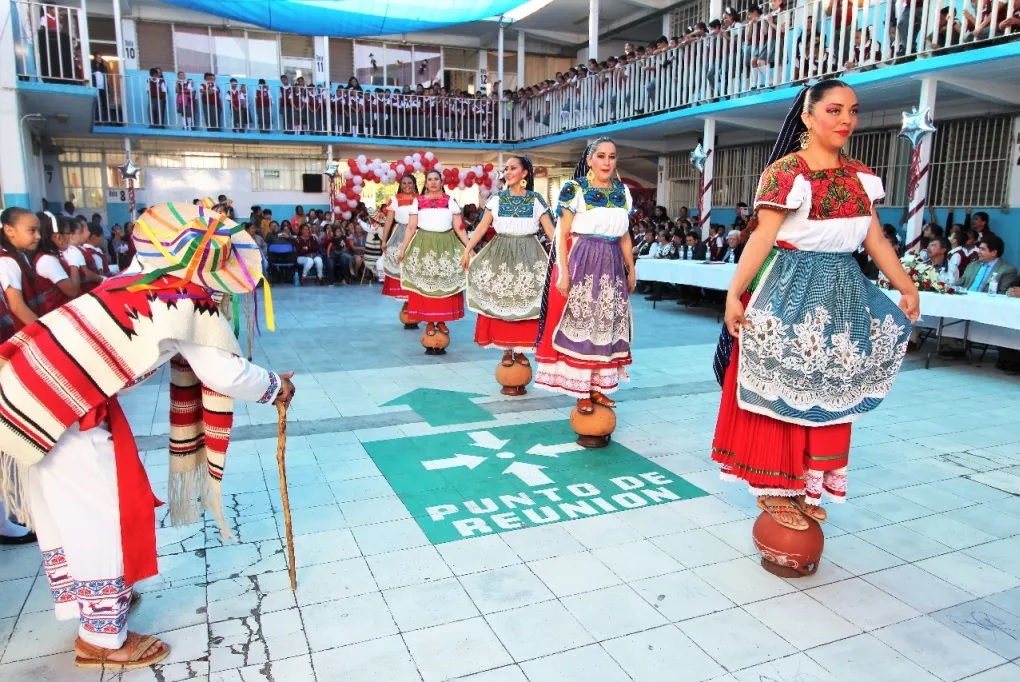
[73, 496]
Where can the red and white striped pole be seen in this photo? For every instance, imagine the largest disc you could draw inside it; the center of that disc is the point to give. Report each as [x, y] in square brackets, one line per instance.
[917, 180]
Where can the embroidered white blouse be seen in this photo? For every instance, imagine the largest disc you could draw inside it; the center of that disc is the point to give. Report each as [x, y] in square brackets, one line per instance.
[828, 210]
[597, 211]
[402, 209]
[516, 215]
[435, 214]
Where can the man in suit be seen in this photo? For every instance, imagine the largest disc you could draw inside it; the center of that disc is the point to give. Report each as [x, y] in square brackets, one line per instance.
[731, 249]
[989, 264]
[694, 249]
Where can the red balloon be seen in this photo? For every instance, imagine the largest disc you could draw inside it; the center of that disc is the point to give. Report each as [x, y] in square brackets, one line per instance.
[470, 175]
[352, 163]
[488, 167]
[349, 184]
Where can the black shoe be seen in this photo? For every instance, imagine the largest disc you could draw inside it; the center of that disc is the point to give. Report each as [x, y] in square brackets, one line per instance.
[27, 539]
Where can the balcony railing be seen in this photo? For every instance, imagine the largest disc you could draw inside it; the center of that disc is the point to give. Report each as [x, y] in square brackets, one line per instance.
[294, 110]
[50, 42]
[821, 38]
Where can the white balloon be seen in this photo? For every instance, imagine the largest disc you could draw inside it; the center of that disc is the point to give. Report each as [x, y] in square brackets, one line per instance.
[416, 156]
[438, 166]
[461, 185]
[357, 189]
[400, 168]
[493, 174]
[418, 167]
[408, 161]
[358, 180]
[347, 174]
[361, 159]
[429, 155]
[352, 203]
[346, 215]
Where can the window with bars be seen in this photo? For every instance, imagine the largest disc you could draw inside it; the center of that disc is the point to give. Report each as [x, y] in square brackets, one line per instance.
[970, 162]
[737, 171]
[686, 15]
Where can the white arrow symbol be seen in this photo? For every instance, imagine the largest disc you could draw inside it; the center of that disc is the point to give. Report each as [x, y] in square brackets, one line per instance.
[484, 439]
[554, 450]
[530, 474]
[469, 461]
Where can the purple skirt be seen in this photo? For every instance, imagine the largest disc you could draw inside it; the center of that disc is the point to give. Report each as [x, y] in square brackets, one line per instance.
[596, 323]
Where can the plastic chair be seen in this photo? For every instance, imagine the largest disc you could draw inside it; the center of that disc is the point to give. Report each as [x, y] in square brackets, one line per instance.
[282, 261]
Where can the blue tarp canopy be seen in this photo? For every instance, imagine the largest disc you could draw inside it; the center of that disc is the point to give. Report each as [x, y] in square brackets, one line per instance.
[351, 18]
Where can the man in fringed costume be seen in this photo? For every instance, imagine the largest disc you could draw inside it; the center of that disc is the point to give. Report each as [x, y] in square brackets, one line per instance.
[70, 465]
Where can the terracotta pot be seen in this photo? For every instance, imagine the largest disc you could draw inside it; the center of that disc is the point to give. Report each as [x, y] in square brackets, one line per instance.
[435, 344]
[593, 430]
[407, 320]
[786, 552]
[514, 378]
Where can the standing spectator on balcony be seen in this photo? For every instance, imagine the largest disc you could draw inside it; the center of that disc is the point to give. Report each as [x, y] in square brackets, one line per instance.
[157, 98]
[988, 12]
[238, 107]
[212, 103]
[316, 110]
[945, 35]
[1011, 24]
[842, 13]
[299, 97]
[184, 100]
[286, 104]
[908, 25]
[55, 45]
[99, 76]
[866, 52]
[730, 61]
[263, 106]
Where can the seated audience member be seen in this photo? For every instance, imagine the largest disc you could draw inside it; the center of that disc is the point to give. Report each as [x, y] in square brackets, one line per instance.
[339, 257]
[989, 266]
[694, 248]
[938, 258]
[716, 241]
[893, 236]
[959, 255]
[644, 247]
[309, 254]
[732, 249]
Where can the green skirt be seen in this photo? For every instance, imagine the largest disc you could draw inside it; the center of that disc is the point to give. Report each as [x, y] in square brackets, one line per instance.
[431, 265]
[505, 279]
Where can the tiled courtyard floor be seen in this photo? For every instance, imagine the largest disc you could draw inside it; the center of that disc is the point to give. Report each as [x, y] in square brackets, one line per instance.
[652, 578]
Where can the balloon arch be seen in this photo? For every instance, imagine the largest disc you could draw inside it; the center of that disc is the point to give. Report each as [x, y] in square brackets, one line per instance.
[349, 185]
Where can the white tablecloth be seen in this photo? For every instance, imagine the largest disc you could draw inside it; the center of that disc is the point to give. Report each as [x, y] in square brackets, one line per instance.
[690, 272]
[998, 311]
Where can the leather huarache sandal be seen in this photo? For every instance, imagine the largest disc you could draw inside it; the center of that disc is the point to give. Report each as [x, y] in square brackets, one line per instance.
[508, 359]
[443, 329]
[522, 359]
[784, 512]
[584, 406]
[136, 645]
[430, 329]
[812, 511]
[602, 400]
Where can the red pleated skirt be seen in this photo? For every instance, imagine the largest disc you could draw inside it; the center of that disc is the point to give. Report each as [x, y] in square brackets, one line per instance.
[771, 455]
[426, 309]
[391, 287]
[493, 332]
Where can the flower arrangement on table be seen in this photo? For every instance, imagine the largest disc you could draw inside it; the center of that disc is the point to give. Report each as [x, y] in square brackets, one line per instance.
[925, 277]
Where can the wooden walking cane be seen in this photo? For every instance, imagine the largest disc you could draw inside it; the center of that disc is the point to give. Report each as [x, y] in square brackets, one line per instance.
[281, 453]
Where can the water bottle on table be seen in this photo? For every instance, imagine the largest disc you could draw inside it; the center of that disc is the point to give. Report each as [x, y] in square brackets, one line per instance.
[993, 284]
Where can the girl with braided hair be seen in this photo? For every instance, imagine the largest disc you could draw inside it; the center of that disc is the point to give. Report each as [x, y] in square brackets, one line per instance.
[586, 327]
[809, 343]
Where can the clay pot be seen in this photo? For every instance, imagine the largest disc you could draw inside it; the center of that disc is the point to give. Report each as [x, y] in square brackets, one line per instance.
[435, 344]
[786, 552]
[593, 430]
[514, 378]
[406, 319]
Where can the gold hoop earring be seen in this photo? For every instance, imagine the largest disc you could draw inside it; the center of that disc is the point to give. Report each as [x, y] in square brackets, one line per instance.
[524, 183]
[805, 139]
[590, 175]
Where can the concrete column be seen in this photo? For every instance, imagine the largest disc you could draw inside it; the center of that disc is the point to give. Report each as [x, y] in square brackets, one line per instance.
[705, 200]
[593, 29]
[498, 90]
[483, 70]
[667, 24]
[327, 104]
[916, 201]
[13, 177]
[520, 60]
[715, 8]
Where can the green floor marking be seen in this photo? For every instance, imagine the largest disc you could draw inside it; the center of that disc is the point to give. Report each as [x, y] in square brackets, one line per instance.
[443, 408]
[474, 483]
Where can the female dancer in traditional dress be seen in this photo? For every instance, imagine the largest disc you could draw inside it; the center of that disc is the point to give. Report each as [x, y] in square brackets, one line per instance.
[430, 259]
[505, 280]
[814, 344]
[398, 212]
[585, 335]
